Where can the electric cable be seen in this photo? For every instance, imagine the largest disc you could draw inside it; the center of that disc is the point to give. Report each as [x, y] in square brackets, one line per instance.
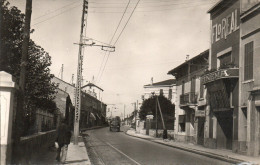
[119, 37]
[56, 10]
[112, 39]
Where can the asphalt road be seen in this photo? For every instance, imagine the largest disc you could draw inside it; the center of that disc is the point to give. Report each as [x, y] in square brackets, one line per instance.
[116, 148]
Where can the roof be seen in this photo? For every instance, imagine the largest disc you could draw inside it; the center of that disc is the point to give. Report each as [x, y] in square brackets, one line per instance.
[219, 4]
[206, 52]
[214, 7]
[163, 83]
[92, 85]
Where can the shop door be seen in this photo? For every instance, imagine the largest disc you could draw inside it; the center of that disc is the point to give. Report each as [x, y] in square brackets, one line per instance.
[224, 131]
[200, 132]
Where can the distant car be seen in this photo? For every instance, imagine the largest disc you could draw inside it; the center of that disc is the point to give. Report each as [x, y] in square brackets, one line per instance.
[115, 124]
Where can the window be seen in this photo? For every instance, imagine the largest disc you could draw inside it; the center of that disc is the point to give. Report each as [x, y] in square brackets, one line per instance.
[225, 59]
[181, 123]
[193, 84]
[248, 64]
[183, 86]
[161, 92]
[170, 94]
[201, 89]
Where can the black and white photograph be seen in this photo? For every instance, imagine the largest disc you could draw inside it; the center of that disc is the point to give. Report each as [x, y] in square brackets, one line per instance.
[130, 82]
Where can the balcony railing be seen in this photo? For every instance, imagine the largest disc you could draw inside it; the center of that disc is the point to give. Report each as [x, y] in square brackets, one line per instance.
[188, 98]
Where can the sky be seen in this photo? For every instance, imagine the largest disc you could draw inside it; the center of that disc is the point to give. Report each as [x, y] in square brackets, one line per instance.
[156, 39]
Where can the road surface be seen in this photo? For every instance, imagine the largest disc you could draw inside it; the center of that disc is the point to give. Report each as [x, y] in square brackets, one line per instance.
[116, 148]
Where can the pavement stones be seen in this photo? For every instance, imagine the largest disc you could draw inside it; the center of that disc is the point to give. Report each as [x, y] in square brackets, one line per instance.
[213, 153]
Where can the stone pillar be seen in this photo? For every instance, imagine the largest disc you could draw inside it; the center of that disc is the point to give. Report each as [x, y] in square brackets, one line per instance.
[7, 90]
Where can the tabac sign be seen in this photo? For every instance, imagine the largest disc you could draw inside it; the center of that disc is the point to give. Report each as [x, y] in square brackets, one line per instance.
[225, 26]
[220, 74]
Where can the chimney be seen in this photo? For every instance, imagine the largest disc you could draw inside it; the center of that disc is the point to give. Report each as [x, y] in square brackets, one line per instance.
[187, 57]
[152, 81]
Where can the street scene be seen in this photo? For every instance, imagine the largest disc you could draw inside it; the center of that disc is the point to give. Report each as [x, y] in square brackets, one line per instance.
[130, 82]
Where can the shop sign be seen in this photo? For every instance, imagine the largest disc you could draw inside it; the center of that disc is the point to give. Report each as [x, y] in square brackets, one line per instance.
[223, 73]
[200, 113]
[225, 27]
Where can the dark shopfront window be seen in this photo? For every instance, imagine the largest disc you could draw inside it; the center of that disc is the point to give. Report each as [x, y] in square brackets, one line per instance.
[181, 123]
[248, 70]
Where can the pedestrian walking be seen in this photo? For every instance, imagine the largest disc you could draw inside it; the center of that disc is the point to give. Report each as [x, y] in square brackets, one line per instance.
[63, 140]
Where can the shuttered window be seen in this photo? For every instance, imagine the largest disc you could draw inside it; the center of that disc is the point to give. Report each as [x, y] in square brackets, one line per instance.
[201, 89]
[248, 65]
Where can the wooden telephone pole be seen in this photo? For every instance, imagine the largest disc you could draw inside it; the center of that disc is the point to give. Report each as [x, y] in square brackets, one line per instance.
[22, 81]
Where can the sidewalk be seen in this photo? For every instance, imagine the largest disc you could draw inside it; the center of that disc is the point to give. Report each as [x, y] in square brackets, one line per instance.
[213, 153]
[77, 155]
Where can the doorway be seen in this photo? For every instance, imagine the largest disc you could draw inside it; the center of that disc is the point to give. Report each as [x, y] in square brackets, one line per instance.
[224, 130]
[200, 133]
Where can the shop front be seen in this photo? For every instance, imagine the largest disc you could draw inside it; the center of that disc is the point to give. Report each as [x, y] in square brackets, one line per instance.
[222, 95]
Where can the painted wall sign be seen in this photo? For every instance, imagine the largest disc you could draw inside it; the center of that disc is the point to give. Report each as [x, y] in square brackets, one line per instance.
[225, 27]
[223, 73]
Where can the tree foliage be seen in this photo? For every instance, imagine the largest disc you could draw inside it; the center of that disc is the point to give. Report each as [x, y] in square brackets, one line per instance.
[148, 107]
[39, 91]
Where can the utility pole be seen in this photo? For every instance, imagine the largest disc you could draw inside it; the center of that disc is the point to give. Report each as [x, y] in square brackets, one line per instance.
[135, 116]
[72, 78]
[156, 117]
[62, 72]
[79, 70]
[79, 76]
[22, 81]
[124, 111]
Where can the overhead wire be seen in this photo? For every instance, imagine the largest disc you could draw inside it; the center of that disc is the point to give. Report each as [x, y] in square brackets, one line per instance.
[112, 39]
[174, 4]
[56, 15]
[96, 12]
[56, 10]
[119, 37]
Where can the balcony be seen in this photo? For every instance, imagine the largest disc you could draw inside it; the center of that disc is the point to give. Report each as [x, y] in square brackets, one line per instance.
[188, 99]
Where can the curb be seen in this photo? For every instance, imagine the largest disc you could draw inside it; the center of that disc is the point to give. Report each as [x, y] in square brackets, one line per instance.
[215, 156]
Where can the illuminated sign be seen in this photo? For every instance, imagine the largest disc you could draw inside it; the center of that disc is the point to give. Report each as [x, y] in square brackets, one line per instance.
[224, 28]
[223, 73]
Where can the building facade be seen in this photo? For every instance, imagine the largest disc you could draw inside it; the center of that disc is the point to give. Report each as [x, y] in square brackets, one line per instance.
[167, 88]
[190, 101]
[221, 80]
[93, 111]
[249, 79]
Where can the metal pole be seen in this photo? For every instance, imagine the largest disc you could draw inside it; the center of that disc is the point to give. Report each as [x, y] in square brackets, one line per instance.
[124, 111]
[62, 71]
[135, 116]
[79, 77]
[156, 132]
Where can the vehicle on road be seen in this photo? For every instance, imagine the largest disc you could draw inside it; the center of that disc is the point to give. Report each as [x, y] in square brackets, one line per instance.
[115, 124]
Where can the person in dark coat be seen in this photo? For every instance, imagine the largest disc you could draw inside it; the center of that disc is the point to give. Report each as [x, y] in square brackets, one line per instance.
[63, 139]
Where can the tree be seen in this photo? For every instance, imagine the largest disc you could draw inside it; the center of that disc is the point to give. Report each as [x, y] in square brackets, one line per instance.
[148, 107]
[39, 91]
